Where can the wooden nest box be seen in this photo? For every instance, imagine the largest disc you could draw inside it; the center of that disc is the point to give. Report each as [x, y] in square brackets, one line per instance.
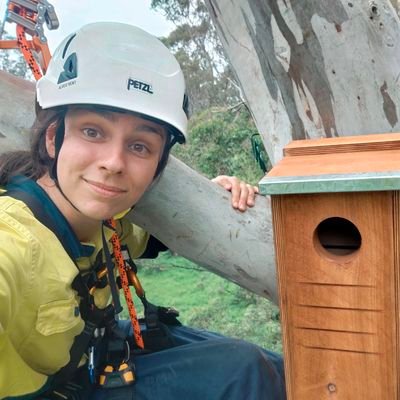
[336, 213]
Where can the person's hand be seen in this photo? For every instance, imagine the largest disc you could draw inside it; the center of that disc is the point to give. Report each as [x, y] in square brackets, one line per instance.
[243, 194]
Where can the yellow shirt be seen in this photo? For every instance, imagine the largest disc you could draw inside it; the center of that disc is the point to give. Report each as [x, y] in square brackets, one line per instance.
[39, 311]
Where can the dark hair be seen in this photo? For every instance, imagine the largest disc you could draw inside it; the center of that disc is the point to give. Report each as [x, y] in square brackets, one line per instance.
[34, 163]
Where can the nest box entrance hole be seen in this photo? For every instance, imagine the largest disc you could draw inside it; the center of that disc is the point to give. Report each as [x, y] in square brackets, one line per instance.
[338, 236]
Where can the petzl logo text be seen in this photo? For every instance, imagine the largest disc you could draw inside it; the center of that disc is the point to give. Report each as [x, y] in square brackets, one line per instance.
[139, 85]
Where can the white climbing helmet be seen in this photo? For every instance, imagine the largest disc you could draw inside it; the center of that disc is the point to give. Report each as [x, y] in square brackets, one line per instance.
[117, 65]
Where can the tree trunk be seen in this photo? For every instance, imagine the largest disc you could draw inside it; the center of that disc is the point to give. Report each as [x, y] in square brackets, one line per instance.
[17, 98]
[193, 216]
[314, 68]
[184, 210]
[396, 5]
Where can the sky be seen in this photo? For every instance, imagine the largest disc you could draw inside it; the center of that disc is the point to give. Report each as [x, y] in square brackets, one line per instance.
[72, 14]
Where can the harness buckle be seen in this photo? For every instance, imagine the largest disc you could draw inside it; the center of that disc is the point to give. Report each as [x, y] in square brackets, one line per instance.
[117, 376]
[91, 366]
[119, 370]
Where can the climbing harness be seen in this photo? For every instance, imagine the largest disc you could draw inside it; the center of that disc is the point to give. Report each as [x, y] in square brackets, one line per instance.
[108, 348]
[119, 369]
[30, 17]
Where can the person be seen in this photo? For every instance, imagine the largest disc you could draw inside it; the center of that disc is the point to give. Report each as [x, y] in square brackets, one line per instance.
[109, 108]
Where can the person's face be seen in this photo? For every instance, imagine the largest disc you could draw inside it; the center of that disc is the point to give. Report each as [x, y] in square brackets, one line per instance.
[107, 160]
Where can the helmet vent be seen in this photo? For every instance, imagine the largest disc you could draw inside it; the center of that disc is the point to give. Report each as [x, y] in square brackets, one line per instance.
[67, 45]
[70, 69]
[112, 64]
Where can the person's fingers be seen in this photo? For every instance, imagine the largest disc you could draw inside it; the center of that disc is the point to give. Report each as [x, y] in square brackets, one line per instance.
[251, 197]
[223, 181]
[235, 191]
[244, 194]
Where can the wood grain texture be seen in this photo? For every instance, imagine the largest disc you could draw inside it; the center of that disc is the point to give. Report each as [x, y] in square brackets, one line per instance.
[348, 144]
[360, 154]
[339, 313]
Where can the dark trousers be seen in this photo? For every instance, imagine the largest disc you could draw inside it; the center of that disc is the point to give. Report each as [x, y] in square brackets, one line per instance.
[203, 366]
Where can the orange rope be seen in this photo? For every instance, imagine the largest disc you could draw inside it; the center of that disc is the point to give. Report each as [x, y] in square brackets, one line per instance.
[27, 47]
[27, 52]
[125, 286]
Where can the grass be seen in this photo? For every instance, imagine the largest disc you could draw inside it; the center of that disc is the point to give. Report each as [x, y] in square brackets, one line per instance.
[207, 301]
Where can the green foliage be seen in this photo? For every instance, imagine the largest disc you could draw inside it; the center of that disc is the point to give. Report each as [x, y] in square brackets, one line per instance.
[13, 62]
[198, 49]
[220, 144]
[207, 301]
[178, 10]
[221, 127]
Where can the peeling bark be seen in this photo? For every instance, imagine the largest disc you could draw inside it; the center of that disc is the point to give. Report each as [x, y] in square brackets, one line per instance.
[299, 75]
[389, 107]
[313, 68]
[16, 112]
[395, 4]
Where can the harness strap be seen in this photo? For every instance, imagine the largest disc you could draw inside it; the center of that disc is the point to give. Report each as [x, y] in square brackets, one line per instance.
[79, 347]
[92, 317]
[40, 214]
[157, 336]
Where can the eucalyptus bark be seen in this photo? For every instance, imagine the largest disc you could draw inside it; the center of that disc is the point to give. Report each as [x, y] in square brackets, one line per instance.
[314, 68]
[186, 211]
[396, 5]
[17, 98]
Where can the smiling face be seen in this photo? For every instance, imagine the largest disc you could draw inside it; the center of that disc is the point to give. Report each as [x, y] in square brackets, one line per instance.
[106, 162]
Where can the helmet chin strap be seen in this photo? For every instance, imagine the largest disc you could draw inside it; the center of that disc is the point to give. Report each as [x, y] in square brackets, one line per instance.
[55, 180]
[59, 138]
